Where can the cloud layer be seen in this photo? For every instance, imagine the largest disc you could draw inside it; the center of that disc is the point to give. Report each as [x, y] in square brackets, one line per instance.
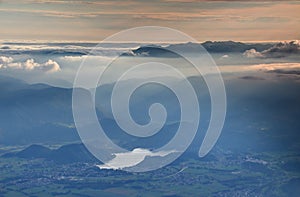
[29, 65]
[282, 49]
[202, 19]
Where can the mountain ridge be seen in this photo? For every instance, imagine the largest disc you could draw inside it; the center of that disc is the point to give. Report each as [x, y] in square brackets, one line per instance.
[69, 153]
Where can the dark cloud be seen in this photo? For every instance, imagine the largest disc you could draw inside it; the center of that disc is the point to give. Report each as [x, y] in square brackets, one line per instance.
[286, 72]
[186, 1]
[279, 50]
[252, 78]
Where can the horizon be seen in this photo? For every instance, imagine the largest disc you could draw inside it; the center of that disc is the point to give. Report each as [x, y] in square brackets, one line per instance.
[101, 42]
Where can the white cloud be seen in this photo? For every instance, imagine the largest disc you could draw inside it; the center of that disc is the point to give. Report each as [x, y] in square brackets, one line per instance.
[225, 56]
[252, 53]
[29, 65]
[51, 66]
[275, 66]
[261, 67]
[5, 60]
[89, 58]
[73, 58]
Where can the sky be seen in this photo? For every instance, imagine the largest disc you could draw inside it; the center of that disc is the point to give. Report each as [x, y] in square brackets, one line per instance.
[90, 20]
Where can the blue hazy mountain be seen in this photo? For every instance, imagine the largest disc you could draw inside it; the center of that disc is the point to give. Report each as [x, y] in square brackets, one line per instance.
[65, 154]
[35, 113]
[43, 114]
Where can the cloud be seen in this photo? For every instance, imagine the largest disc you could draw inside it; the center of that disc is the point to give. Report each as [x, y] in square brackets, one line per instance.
[51, 66]
[279, 50]
[275, 66]
[73, 58]
[240, 20]
[266, 68]
[252, 78]
[286, 72]
[79, 59]
[282, 69]
[5, 60]
[64, 49]
[252, 53]
[225, 56]
[78, 19]
[283, 49]
[29, 65]
[197, 1]
[79, 2]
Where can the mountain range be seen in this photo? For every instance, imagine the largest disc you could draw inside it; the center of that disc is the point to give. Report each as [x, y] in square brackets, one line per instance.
[257, 50]
[65, 154]
[258, 112]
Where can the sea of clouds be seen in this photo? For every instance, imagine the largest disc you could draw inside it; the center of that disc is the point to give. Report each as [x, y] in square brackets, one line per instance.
[57, 63]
